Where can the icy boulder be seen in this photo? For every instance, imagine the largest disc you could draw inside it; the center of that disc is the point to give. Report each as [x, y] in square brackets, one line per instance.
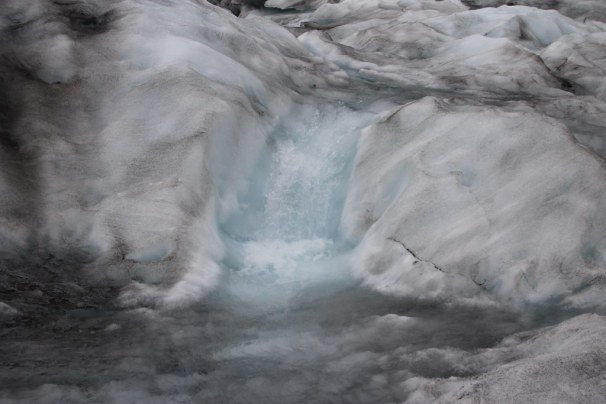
[454, 202]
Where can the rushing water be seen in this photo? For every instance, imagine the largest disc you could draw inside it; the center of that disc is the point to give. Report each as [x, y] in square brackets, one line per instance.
[286, 233]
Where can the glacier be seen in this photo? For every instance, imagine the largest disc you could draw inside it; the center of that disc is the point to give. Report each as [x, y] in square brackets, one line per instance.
[302, 201]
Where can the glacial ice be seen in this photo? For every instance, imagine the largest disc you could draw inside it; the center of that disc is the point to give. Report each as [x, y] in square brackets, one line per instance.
[580, 60]
[315, 201]
[533, 374]
[469, 192]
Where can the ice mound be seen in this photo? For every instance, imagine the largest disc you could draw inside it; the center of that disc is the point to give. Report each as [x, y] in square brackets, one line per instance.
[580, 59]
[511, 52]
[528, 26]
[581, 10]
[455, 202]
[563, 364]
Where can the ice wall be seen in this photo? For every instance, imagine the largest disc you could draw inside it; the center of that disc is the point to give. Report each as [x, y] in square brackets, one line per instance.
[455, 202]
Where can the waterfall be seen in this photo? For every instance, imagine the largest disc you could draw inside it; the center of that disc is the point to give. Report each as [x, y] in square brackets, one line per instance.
[287, 227]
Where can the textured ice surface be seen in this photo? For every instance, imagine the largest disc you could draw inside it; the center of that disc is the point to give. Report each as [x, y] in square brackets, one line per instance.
[580, 59]
[582, 10]
[454, 202]
[316, 202]
[536, 362]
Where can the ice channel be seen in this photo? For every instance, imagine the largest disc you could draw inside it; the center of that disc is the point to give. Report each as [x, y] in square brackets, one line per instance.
[288, 321]
[285, 232]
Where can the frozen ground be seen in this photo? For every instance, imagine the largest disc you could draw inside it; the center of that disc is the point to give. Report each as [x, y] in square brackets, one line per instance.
[314, 202]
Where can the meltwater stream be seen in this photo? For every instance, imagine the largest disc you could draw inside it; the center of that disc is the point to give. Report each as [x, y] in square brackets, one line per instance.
[287, 323]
